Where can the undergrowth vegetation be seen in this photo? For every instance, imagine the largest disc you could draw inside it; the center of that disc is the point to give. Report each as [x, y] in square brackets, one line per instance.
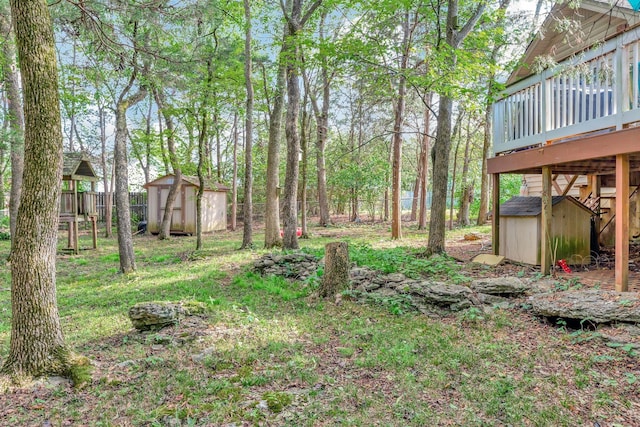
[264, 353]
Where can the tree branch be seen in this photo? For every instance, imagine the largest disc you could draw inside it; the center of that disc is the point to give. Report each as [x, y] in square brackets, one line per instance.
[464, 32]
[316, 4]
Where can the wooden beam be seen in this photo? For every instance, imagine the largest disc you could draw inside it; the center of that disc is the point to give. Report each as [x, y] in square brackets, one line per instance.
[495, 219]
[570, 183]
[625, 141]
[622, 223]
[554, 182]
[546, 244]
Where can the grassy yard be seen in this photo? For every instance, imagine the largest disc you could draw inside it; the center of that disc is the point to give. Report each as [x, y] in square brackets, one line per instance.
[266, 354]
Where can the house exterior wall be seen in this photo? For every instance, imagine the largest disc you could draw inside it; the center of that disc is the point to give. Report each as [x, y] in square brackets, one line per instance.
[534, 185]
[520, 238]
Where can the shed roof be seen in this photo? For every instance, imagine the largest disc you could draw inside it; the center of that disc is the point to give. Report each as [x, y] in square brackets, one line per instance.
[210, 185]
[532, 206]
[598, 20]
[77, 167]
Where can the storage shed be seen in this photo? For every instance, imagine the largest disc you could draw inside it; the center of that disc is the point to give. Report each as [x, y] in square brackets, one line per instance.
[214, 205]
[520, 228]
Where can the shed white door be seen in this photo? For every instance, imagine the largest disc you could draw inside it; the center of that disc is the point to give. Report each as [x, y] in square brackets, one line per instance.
[177, 219]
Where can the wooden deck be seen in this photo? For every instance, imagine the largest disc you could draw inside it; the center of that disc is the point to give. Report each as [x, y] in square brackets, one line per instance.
[594, 91]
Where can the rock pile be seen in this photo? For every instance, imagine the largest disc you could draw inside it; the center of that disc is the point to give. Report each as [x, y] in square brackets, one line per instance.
[155, 315]
[423, 295]
[296, 265]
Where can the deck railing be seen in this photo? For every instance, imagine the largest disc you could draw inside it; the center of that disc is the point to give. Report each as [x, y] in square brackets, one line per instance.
[596, 90]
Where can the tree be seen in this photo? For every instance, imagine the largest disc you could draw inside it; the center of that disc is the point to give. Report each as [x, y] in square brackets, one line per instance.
[37, 343]
[454, 37]
[272, 203]
[398, 111]
[121, 167]
[322, 126]
[247, 236]
[165, 228]
[291, 46]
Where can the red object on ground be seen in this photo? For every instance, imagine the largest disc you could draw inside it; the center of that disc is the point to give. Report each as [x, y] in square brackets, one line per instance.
[563, 264]
[298, 232]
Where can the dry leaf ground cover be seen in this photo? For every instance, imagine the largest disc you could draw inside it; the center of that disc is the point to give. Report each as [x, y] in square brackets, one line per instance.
[263, 353]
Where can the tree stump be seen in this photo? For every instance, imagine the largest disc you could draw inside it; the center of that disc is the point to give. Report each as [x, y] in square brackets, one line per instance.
[336, 269]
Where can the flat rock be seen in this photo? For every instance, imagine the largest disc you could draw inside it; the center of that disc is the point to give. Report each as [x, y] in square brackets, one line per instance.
[154, 315]
[499, 286]
[441, 294]
[594, 305]
[395, 277]
[488, 259]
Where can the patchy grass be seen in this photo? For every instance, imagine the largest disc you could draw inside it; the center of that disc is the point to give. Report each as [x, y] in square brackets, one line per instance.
[265, 354]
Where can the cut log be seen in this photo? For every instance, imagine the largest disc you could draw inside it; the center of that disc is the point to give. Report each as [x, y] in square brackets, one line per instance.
[336, 270]
[593, 305]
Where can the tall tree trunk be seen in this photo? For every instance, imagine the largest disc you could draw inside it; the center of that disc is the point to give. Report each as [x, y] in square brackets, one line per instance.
[457, 132]
[483, 211]
[15, 116]
[247, 234]
[234, 184]
[121, 163]
[442, 146]
[466, 190]
[176, 186]
[453, 185]
[424, 161]
[387, 192]
[163, 148]
[484, 183]
[216, 120]
[123, 213]
[272, 203]
[291, 49]
[416, 189]
[37, 343]
[396, 186]
[322, 130]
[202, 157]
[106, 174]
[290, 208]
[305, 127]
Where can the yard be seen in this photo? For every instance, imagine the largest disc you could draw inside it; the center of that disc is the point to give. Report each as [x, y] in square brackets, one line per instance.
[264, 353]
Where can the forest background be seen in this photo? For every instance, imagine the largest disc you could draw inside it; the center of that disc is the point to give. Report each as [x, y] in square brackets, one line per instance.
[345, 102]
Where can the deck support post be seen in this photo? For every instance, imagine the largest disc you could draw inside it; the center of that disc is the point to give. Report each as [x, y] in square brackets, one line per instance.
[622, 222]
[546, 244]
[495, 218]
